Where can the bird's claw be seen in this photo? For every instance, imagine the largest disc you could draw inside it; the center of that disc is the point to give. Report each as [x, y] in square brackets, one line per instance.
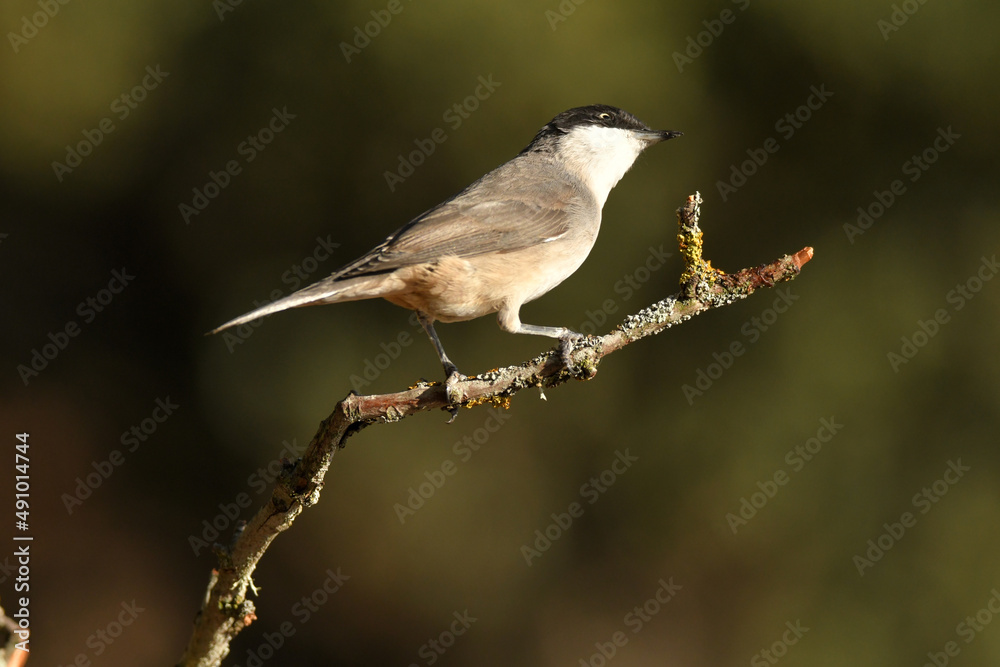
[452, 393]
[566, 350]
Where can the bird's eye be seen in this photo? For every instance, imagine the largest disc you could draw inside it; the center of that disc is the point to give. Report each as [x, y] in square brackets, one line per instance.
[604, 115]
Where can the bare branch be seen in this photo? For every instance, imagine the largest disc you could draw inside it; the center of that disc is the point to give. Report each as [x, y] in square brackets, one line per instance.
[226, 609]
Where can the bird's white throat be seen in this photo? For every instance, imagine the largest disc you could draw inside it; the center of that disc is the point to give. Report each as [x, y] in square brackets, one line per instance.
[600, 156]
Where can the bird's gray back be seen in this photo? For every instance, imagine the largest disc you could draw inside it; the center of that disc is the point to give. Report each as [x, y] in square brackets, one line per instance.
[522, 203]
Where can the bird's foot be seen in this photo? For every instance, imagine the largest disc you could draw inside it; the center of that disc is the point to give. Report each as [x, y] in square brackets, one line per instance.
[566, 349]
[452, 392]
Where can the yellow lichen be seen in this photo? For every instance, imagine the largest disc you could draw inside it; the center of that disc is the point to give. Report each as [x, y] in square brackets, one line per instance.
[494, 400]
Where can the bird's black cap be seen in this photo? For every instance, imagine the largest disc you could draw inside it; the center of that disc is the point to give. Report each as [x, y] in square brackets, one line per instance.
[597, 114]
[601, 115]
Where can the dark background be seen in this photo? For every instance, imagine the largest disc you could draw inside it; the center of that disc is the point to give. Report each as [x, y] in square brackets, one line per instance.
[239, 405]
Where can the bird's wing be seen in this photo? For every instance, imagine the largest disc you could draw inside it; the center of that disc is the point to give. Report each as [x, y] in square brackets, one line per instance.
[464, 227]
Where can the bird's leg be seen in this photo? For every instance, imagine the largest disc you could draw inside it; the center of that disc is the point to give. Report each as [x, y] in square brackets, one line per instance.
[510, 321]
[452, 376]
[566, 338]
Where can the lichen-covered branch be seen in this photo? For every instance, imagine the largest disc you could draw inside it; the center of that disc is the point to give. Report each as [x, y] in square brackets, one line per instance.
[226, 609]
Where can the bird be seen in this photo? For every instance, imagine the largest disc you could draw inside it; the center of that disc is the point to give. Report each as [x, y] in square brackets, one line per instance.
[505, 240]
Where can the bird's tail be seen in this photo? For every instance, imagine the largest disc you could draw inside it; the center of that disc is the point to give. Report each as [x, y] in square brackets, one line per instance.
[325, 291]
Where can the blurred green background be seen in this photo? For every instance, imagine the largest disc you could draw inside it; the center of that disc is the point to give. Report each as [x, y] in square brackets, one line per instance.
[210, 75]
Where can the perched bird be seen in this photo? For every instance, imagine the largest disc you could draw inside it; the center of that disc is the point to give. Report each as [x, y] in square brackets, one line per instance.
[505, 240]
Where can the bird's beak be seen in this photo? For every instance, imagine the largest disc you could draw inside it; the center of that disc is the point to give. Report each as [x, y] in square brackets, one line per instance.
[656, 136]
